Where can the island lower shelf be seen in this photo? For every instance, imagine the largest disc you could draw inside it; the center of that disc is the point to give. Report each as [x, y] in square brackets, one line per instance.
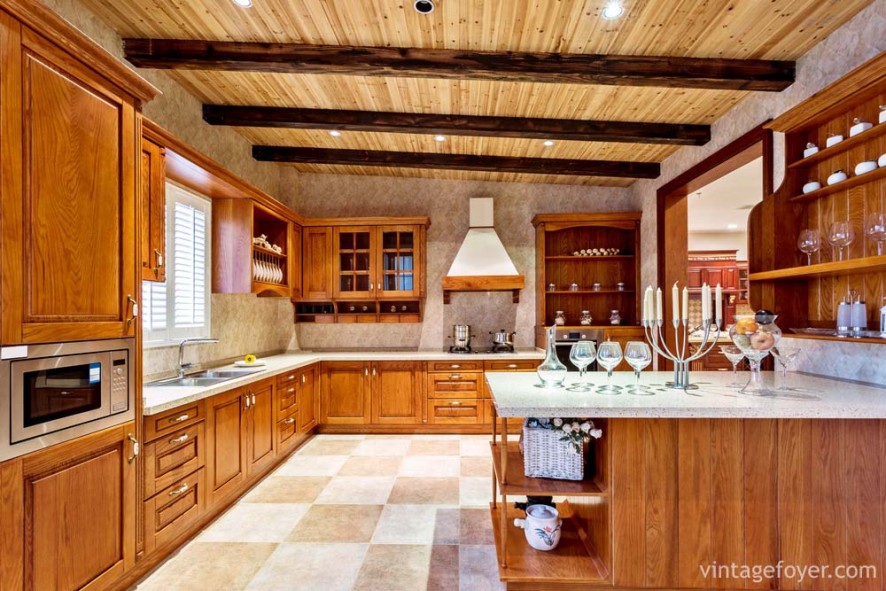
[516, 483]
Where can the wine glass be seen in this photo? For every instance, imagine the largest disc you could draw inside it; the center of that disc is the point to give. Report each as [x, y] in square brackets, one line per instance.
[785, 356]
[840, 234]
[809, 242]
[582, 355]
[609, 355]
[638, 355]
[875, 228]
[734, 355]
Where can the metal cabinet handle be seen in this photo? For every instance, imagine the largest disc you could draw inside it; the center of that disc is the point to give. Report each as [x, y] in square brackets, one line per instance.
[303, 378]
[455, 366]
[179, 419]
[135, 450]
[455, 403]
[512, 366]
[455, 376]
[158, 258]
[291, 390]
[253, 400]
[180, 490]
[288, 421]
[371, 286]
[134, 308]
[373, 372]
[366, 372]
[178, 440]
[247, 400]
[290, 376]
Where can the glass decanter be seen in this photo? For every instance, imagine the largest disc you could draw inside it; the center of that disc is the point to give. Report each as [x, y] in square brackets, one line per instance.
[551, 372]
[755, 337]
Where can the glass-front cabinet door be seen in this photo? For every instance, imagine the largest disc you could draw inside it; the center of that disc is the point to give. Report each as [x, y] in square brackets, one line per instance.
[399, 257]
[354, 272]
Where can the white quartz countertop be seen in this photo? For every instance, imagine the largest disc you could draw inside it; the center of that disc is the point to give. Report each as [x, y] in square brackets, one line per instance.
[515, 395]
[158, 399]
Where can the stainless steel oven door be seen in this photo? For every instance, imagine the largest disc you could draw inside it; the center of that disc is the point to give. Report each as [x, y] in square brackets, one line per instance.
[55, 393]
[563, 348]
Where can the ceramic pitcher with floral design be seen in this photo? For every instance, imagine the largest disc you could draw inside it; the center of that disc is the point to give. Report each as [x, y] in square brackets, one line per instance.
[541, 526]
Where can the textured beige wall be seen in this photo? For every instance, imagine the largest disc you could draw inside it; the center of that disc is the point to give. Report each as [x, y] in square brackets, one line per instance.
[446, 202]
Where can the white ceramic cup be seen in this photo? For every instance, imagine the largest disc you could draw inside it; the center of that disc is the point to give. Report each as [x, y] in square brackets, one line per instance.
[866, 166]
[811, 186]
[837, 177]
[541, 526]
[833, 140]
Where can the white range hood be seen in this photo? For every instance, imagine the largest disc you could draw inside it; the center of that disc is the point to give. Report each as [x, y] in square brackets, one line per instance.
[482, 263]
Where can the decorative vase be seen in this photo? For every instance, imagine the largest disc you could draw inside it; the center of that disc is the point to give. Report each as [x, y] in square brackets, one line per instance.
[756, 337]
[551, 372]
[541, 526]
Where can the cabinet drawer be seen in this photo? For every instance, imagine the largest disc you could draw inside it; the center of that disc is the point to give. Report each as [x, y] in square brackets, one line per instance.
[513, 365]
[290, 378]
[174, 509]
[173, 420]
[434, 366]
[286, 430]
[286, 396]
[465, 411]
[455, 385]
[173, 457]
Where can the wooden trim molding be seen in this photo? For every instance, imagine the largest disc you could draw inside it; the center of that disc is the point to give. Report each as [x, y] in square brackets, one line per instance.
[512, 283]
[599, 168]
[468, 125]
[618, 70]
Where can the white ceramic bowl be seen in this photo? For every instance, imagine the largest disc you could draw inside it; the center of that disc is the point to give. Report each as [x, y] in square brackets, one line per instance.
[882, 115]
[810, 151]
[859, 127]
[866, 166]
[882, 161]
[833, 140]
[811, 186]
[837, 177]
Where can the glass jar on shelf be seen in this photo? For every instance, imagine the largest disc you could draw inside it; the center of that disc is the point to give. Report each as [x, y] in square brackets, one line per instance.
[615, 317]
[596, 287]
[586, 318]
[560, 318]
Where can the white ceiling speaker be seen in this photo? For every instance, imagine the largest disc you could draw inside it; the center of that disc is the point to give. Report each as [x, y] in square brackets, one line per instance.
[423, 6]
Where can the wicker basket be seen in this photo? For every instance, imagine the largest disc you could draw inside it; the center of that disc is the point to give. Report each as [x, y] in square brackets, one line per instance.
[545, 456]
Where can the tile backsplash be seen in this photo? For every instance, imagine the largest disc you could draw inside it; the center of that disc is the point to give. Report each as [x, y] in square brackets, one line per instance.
[852, 361]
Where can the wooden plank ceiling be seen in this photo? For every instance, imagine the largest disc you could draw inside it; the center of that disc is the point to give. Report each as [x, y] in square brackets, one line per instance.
[781, 30]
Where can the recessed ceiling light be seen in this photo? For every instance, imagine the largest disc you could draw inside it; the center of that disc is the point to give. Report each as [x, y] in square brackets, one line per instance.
[548, 143]
[613, 9]
[243, 3]
[423, 6]
[732, 226]
[334, 133]
[440, 138]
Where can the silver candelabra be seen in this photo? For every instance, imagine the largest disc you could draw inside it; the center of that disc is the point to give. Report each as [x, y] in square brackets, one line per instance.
[680, 355]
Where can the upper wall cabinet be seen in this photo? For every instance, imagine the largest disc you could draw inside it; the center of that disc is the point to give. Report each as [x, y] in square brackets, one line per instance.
[69, 178]
[152, 197]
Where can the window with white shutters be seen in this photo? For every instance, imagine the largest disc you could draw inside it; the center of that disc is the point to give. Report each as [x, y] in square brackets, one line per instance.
[179, 308]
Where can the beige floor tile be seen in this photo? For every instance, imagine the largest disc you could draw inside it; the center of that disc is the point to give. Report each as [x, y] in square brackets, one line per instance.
[337, 524]
[394, 568]
[439, 466]
[287, 489]
[371, 466]
[425, 491]
[478, 569]
[443, 574]
[475, 491]
[475, 466]
[339, 437]
[255, 522]
[475, 527]
[357, 490]
[419, 447]
[474, 447]
[446, 526]
[406, 524]
[310, 567]
[382, 447]
[436, 437]
[329, 447]
[299, 465]
[485, 437]
[200, 566]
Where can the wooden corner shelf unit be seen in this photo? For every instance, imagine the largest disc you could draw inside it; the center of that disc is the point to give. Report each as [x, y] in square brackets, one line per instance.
[807, 295]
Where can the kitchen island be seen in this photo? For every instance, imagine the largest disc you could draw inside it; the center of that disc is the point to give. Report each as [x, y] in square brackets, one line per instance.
[703, 490]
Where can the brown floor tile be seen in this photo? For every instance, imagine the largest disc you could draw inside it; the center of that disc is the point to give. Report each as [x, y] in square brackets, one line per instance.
[420, 491]
[200, 566]
[443, 575]
[329, 447]
[370, 466]
[475, 527]
[446, 526]
[478, 569]
[337, 523]
[433, 448]
[476, 467]
[287, 489]
[394, 568]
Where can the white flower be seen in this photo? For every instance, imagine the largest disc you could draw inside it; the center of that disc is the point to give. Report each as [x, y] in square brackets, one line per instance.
[558, 422]
[586, 426]
[596, 433]
[567, 428]
[575, 426]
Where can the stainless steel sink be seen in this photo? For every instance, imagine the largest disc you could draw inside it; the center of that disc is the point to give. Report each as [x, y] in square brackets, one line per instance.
[209, 377]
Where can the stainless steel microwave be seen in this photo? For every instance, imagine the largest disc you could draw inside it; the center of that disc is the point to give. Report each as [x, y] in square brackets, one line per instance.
[56, 392]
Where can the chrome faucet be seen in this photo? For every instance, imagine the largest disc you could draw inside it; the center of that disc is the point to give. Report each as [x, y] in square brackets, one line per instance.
[181, 352]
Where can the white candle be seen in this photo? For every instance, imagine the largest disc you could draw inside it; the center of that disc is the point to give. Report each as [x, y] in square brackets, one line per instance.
[707, 302]
[659, 316]
[647, 304]
[719, 304]
[675, 303]
[685, 315]
[704, 302]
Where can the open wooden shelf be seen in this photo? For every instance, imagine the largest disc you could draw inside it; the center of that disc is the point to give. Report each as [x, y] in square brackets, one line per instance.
[519, 484]
[853, 181]
[844, 146]
[261, 288]
[267, 251]
[573, 561]
[589, 292]
[596, 257]
[848, 267]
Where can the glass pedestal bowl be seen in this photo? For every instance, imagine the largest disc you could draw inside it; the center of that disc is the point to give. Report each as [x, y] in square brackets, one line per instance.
[756, 337]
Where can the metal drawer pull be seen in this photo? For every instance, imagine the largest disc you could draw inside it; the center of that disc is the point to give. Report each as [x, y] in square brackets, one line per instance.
[179, 419]
[290, 376]
[455, 376]
[135, 450]
[366, 371]
[181, 439]
[291, 390]
[455, 366]
[303, 379]
[455, 403]
[373, 371]
[288, 421]
[512, 366]
[180, 490]
[253, 399]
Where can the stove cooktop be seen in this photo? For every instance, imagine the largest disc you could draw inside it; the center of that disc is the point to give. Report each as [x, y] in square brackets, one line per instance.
[482, 351]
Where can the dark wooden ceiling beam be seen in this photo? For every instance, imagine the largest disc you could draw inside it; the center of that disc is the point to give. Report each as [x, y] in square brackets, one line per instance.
[620, 70]
[511, 127]
[601, 168]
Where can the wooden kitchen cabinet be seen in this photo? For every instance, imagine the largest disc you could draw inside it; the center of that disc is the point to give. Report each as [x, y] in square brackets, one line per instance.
[354, 263]
[377, 262]
[344, 393]
[397, 392]
[226, 450]
[295, 262]
[308, 399]
[152, 201]
[70, 176]
[260, 424]
[317, 263]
